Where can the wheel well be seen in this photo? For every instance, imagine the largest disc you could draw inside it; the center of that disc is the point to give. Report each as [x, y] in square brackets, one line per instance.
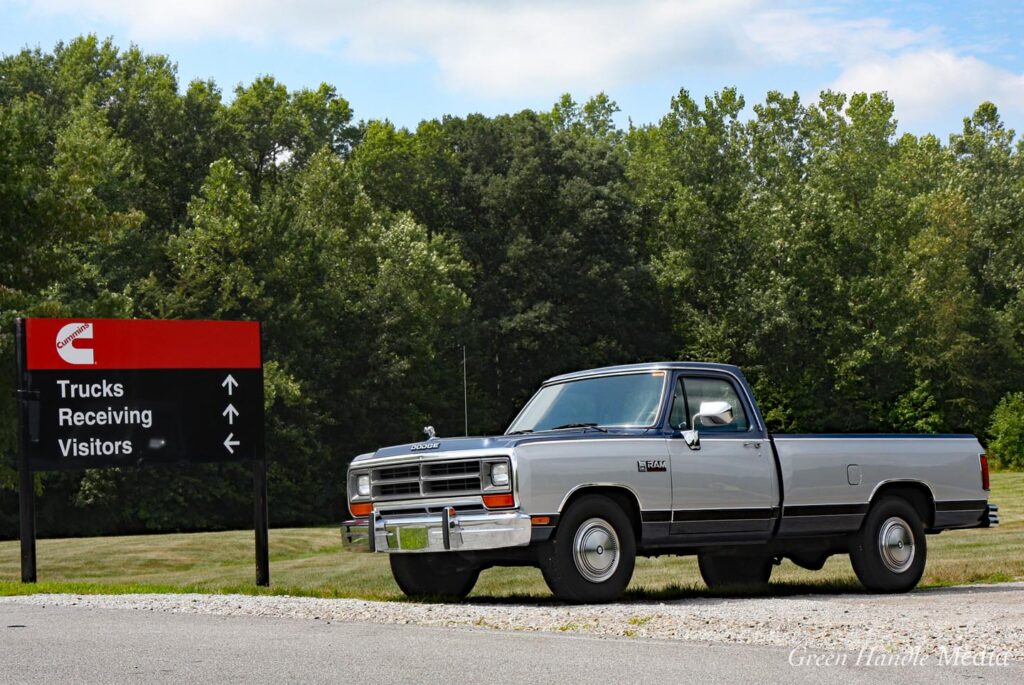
[916, 493]
[621, 496]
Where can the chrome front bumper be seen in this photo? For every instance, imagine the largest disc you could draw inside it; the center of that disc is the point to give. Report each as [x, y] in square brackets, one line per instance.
[446, 531]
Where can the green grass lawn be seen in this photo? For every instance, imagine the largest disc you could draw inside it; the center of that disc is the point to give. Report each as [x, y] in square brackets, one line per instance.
[310, 561]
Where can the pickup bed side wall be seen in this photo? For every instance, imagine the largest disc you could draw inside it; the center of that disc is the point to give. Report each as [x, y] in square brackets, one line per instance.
[829, 481]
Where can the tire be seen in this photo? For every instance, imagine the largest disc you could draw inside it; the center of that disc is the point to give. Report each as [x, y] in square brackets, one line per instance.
[437, 574]
[733, 571]
[590, 559]
[890, 551]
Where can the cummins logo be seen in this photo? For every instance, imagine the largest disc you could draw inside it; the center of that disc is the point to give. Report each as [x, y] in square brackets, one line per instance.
[65, 347]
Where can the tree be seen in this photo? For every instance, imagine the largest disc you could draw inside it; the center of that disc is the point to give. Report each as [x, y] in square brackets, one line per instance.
[1007, 431]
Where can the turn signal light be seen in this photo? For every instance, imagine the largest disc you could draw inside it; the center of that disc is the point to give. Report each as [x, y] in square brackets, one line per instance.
[361, 509]
[540, 520]
[984, 473]
[499, 501]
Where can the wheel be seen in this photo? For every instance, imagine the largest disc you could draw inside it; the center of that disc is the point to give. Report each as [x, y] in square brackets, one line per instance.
[889, 552]
[591, 556]
[438, 574]
[730, 571]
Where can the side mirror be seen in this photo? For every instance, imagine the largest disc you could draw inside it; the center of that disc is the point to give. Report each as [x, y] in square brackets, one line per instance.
[714, 414]
[711, 413]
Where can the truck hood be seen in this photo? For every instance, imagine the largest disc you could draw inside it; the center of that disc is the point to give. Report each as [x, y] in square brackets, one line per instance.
[444, 445]
[493, 442]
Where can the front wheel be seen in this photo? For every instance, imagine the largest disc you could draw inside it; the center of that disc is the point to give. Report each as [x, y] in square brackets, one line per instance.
[889, 552]
[436, 574]
[591, 557]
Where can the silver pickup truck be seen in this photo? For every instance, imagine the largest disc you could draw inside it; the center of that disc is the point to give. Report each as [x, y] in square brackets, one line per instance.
[648, 459]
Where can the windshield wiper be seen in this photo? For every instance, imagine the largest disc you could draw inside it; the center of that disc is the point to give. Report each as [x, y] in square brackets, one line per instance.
[580, 425]
[520, 432]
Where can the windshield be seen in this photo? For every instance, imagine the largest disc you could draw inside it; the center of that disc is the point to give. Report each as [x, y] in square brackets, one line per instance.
[626, 400]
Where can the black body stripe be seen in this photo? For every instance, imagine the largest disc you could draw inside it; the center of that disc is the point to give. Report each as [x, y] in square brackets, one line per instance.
[961, 505]
[825, 510]
[721, 514]
[656, 516]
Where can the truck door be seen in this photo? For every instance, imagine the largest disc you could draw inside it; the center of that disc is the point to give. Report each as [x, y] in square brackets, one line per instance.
[725, 490]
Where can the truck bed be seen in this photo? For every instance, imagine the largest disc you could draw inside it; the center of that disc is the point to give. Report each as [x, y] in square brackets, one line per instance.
[830, 479]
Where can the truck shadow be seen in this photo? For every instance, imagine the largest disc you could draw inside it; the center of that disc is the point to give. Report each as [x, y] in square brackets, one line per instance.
[772, 591]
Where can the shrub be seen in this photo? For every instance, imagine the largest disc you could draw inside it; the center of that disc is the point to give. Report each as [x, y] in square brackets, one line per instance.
[1006, 431]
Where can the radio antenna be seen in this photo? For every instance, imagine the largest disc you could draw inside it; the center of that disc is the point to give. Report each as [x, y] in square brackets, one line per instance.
[465, 391]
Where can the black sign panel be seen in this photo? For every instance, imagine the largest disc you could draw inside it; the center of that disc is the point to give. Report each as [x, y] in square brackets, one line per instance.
[102, 418]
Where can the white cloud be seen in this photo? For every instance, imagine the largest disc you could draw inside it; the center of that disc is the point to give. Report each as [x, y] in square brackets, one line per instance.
[523, 47]
[540, 48]
[926, 84]
[810, 37]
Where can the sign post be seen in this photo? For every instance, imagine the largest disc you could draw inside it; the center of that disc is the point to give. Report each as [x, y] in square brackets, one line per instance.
[96, 393]
[261, 522]
[26, 483]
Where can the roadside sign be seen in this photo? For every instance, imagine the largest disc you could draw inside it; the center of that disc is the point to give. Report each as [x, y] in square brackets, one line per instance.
[97, 393]
[106, 392]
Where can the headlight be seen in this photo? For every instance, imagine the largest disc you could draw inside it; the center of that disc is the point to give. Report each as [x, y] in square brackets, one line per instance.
[363, 485]
[499, 474]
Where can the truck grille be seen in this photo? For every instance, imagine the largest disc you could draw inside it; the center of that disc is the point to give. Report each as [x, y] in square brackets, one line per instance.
[459, 477]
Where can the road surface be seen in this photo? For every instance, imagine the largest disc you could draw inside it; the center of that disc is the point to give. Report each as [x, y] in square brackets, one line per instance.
[86, 644]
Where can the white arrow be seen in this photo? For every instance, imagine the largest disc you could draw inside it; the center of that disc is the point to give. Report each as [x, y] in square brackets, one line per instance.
[230, 383]
[231, 413]
[229, 443]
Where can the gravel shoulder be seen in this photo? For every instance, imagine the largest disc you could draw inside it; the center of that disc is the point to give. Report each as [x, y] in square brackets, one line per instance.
[973, 619]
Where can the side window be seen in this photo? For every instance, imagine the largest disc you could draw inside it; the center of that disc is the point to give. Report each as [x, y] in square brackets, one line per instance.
[715, 390]
[679, 418]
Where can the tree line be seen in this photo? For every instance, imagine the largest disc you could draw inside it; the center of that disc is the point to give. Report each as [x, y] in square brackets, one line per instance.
[865, 280]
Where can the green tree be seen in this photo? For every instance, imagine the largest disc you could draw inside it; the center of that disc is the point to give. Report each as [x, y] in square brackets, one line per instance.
[1007, 431]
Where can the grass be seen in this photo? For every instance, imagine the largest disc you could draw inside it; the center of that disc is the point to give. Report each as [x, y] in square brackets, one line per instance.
[310, 562]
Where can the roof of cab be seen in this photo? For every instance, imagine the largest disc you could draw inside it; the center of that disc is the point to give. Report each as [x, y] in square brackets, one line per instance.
[641, 368]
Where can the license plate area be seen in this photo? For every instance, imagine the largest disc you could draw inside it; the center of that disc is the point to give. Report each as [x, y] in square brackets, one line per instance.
[409, 537]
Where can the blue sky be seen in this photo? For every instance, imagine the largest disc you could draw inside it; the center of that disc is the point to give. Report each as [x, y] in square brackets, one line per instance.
[406, 60]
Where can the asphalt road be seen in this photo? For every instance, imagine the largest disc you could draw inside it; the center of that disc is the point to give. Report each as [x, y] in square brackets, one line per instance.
[76, 644]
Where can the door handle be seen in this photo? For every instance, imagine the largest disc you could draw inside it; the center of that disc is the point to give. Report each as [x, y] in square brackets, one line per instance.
[753, 445]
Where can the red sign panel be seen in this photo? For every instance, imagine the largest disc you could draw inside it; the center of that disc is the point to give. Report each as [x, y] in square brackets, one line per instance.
[105, 344]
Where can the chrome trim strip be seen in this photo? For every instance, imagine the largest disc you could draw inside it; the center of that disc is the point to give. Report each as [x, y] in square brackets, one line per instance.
[621, 486]
[992, 516]
[931, 491]
[595, 438]
[868, 436]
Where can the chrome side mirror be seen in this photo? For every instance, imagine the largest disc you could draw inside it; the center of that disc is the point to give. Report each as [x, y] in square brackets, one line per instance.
[711, 413]
[714, 413]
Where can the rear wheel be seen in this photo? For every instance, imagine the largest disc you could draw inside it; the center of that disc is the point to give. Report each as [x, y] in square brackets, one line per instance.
[889, 552]
[590, 559]
[731, 571]
[436, 574]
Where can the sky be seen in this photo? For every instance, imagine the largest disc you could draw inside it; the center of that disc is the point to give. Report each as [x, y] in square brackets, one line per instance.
[408, 60]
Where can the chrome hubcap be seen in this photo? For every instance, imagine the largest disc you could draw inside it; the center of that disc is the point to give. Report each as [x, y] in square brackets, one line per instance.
[896, 544]
[596, 550]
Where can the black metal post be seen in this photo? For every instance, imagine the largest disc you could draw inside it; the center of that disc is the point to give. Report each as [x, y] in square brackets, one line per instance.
[261, 522]
[26, 500]
[26, 484]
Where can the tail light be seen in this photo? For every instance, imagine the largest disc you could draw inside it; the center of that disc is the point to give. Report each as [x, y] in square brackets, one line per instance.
[984, 473]
[363, 509]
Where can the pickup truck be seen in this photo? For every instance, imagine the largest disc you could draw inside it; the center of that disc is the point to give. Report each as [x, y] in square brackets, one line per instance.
[604, 465]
